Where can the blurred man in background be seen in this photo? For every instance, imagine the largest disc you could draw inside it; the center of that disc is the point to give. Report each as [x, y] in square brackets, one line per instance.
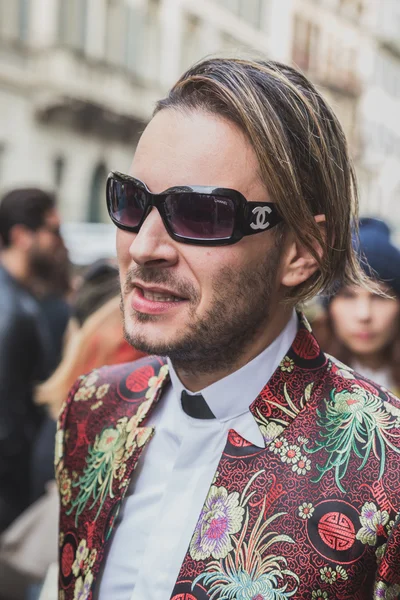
[30, 242]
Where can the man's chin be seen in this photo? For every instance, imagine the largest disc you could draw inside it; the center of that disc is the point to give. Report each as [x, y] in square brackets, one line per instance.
[148, 338]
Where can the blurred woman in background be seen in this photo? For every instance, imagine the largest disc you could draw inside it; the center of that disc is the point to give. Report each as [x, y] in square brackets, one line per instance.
[362, 328]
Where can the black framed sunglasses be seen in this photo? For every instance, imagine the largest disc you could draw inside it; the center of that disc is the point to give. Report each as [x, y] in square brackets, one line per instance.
[202, 215]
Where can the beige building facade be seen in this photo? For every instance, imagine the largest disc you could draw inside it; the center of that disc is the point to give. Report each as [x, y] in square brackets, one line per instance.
[79, 78]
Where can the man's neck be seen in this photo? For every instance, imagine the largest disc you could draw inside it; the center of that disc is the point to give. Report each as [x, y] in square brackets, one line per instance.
[16, 265]
[198, 381]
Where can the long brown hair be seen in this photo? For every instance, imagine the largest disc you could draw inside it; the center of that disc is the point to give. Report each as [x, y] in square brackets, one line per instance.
[301, 149]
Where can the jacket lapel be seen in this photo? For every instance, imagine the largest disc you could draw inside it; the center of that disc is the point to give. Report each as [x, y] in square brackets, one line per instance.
[291, 386]
[93, 500]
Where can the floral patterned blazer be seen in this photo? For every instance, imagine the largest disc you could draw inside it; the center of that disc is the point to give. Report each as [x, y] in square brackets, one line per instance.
[314, 514]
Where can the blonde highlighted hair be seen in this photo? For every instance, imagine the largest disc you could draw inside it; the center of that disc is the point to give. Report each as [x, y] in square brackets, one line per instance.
[301, 149]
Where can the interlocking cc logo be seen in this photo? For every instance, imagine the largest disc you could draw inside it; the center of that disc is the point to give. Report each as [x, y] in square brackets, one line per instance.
[261, 213]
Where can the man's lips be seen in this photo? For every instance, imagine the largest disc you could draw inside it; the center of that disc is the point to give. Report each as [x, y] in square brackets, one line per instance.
[154, 300]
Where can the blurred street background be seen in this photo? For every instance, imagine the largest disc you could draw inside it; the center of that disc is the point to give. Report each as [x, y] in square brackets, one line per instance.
[79, 78]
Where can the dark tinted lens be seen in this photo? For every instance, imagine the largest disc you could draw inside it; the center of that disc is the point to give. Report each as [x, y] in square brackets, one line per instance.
[201, 216]
[128, 202]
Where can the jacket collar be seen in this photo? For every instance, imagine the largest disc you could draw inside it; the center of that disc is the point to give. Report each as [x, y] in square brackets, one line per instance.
[276, 407]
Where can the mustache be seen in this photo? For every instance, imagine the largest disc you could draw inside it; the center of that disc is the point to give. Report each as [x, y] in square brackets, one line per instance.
[159, 276]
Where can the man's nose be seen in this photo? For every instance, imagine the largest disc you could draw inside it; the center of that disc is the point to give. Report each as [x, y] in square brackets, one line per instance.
[152, 244]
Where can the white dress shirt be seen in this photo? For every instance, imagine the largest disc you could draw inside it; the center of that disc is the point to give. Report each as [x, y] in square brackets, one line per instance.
[173, 476]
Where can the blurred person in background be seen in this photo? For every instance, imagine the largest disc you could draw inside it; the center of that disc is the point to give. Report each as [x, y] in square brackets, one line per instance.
[362, 328]
[52, 286]
[29, 240]
[94, 338]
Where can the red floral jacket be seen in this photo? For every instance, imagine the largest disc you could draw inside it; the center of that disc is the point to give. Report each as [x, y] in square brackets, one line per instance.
[314, 514]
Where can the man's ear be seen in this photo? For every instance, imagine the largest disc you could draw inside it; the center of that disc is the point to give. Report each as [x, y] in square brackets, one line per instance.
[298, 263]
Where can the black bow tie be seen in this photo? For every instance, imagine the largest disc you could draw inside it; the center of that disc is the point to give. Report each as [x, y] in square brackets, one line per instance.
[195, 406]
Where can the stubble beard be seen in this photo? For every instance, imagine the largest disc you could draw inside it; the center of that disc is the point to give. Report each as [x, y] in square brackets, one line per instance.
[240, 310]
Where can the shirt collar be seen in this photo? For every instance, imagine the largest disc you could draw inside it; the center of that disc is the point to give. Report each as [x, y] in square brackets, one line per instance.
[231, 396]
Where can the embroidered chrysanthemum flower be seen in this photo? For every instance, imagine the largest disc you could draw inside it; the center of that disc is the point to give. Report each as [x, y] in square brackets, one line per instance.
[278, 445]
[102, 390]
[328, 574]
[270, 431]
[287, 364]
[306, 510]
[66, 492]
[59, 446]
[121, 471]
[379, 552]
[92, 557]
[341, 573]
[91, 379]
[302, 465]
[124, 483]
[84, 393]
[389, 527]
[155, 382]
[64, 484]
[385, 592]
[110, 443]
[373, 522]
[80, 556]
[135, 433]
[319, 594]
[96, 405]
[82, 587]
[290, 454]
[302, 440]
[220, 517]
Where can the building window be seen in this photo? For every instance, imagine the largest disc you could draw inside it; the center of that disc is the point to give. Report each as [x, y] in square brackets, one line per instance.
[115, 32]
[251, 12]
[97, 197]
[2, 155]
[305, 43]
[14, 20]
[58, 171]
[72, 21]
[191, 41]
[232, 5]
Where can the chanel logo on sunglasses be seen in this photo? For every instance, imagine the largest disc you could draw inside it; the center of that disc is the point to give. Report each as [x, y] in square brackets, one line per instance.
[261, 213]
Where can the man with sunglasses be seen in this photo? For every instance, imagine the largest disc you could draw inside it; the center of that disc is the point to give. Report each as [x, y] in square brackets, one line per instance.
[239, 461]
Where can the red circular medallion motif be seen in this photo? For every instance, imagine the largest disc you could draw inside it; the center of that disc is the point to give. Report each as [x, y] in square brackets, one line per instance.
[67, 559]
[139, 379]
[184, 597]
[337, 531]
